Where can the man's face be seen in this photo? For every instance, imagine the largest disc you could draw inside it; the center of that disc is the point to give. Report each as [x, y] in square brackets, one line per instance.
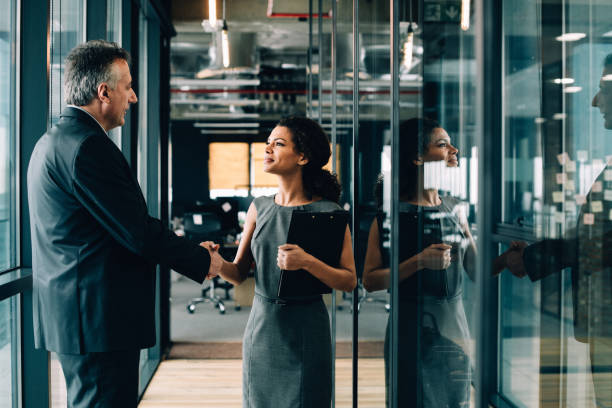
[119, 98]
[603, 98]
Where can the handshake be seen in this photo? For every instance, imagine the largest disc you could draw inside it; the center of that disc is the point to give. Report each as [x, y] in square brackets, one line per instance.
[512, 259]
[216, 260]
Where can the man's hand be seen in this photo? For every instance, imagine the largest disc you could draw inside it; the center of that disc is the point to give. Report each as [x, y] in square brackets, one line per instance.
[216, 260]
[436, 257]
[292, 257]
[514, 258]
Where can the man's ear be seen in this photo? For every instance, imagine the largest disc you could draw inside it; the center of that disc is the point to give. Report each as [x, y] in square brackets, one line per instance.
[104, 92]
[418, 162]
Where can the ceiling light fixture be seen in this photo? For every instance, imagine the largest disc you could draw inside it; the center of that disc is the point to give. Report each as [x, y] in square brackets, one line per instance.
[225, 45]
[212, 13]
[572, 89]
[407, 49]
[225, 41]
[564, 81]
[569, 37]
[465, 15]
[608, 34]
[408, 45]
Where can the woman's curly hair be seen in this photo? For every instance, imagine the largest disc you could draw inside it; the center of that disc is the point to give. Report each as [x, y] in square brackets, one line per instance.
[311, 140]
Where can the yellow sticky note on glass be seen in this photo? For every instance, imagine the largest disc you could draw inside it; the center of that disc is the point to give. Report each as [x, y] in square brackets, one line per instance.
[557, 196]
[608, 175]
[570, 206]
[588, 219]
[597, 187]
[570, 166]
[560, 217]
[610, 215]
[596, 206]
[608, 195]
[563, 158]
[580, 199]
[570, 185]
[561, 178]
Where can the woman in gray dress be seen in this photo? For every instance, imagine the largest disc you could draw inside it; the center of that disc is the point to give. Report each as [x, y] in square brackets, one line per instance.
[287, 342]
[436, 250]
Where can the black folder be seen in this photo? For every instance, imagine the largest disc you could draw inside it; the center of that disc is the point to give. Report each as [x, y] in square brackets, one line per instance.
[321, 234]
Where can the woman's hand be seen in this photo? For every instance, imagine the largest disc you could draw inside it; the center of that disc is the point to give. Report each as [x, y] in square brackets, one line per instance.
[291, 257]
[435, 257]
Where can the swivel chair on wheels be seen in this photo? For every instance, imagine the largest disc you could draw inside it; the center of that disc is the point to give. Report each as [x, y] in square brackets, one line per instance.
[199, 227]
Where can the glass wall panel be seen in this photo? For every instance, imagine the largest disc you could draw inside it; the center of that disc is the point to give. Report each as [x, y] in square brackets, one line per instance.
[371, 163]
[420, 199]
[8, 135]
[555, 328]
[113, 33]
[337, 115]
[9, 353]
[67, 30]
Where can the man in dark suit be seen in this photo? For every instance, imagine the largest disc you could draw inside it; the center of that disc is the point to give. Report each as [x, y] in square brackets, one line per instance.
[587, 250]
[94, 245]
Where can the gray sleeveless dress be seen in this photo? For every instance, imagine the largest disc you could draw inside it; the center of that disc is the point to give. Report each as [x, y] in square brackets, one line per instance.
[287, 342]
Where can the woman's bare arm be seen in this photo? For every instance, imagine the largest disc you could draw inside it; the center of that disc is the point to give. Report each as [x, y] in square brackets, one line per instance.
[236, 272]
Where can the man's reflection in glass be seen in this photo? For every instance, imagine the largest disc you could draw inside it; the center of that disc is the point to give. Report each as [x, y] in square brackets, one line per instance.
[435, 243]
[586, 250]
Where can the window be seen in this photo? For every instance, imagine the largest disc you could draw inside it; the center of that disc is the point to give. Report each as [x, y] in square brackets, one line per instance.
[8, 352]
[228, 169]
[67, 31]
[8, 136]
[233, 172]
[113, 33]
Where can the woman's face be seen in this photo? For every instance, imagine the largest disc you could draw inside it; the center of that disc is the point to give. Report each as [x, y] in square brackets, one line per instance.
[280, 155]
[441, 149]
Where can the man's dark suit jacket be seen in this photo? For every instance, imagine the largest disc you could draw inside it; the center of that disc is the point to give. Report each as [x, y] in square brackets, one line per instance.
[587, 250]
[94, 245]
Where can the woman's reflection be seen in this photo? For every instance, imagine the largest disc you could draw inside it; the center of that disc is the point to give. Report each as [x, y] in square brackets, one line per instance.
[435, 244]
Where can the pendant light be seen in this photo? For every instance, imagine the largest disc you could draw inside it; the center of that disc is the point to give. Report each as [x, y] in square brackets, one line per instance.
[225, 41]
[408, 46]
[465, 15]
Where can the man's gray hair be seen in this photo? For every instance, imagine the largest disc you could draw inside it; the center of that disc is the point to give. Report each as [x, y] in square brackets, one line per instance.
[87, 66]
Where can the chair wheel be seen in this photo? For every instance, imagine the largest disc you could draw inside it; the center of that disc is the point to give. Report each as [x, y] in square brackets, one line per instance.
[190, 308]
[222, 311]
[237, 308]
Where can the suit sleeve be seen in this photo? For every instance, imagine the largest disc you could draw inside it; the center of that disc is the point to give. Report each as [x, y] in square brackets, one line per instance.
[548, 256]
[105, 185]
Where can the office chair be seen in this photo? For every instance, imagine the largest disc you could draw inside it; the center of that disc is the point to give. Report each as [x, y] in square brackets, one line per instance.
[204, 226]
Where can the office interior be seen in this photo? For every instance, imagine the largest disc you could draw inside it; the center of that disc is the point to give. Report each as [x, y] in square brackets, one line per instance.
[511, 81]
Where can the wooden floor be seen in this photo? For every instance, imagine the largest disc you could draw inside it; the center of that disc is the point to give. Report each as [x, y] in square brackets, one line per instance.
[218, 384]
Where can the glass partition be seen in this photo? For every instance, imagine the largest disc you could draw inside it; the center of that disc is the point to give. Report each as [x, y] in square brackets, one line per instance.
[67, 20]
[9, 353]
[67, 31]
[555, 337]
[371, 164]
[8, 135]
[113, 33]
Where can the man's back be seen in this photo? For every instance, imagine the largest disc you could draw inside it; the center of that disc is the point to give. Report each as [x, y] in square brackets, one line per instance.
[84, 280]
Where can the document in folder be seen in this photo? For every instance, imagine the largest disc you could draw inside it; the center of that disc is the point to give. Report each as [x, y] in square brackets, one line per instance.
[321, 234]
